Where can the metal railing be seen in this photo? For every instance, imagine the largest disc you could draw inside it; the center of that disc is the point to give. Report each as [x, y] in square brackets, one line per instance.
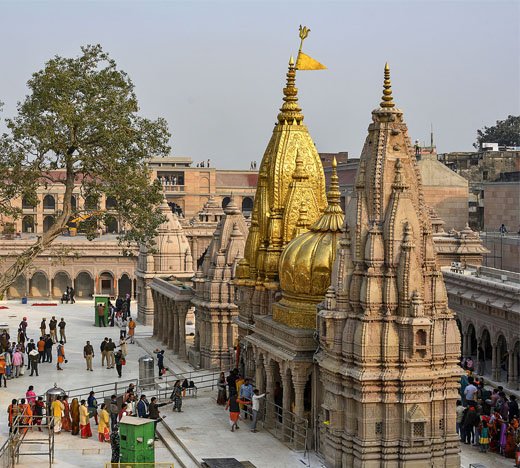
[23, 425]
[161, 388]
[7, 454]
[286, 426]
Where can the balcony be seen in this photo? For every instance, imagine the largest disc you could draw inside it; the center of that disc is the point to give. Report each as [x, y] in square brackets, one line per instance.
[169, 188]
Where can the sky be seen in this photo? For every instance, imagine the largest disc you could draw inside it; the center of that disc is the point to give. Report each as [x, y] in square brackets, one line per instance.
[215, 70]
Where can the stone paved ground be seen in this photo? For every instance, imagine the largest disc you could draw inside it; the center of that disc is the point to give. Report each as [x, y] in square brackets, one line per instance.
[203, 426]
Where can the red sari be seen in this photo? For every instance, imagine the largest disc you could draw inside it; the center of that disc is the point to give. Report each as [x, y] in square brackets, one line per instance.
[66, 422]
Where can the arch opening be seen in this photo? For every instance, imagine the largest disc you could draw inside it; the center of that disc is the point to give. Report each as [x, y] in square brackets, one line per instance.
[39, 285]
[84, 285]
[59, 284]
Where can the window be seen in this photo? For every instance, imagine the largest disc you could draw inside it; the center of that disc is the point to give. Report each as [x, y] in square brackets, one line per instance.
[418, 429]
[379, 428]
[420, 338]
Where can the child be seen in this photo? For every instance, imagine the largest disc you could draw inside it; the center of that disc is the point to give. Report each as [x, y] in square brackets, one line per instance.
[484, 436]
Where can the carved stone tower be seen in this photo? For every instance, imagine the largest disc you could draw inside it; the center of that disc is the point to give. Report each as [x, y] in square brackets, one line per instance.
[389, 345]
[215, 332]
[171, 257]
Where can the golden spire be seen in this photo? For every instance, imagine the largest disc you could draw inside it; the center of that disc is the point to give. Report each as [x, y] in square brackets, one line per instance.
[388, 101]
[332, 218]
[290, 111]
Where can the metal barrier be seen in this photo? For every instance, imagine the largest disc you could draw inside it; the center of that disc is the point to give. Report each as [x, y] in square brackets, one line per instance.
[23, 425]
[286, 426]
[7, 454]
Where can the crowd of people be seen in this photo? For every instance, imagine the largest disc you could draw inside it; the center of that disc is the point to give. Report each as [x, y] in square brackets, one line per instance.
[237, 394]
[487, 419]
[78, 416]
[24, 354]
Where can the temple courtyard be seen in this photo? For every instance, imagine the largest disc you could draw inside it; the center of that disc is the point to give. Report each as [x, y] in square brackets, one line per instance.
[201, 429]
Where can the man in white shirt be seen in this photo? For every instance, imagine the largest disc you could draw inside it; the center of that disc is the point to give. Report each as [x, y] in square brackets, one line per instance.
[470, 391]
[256, 407]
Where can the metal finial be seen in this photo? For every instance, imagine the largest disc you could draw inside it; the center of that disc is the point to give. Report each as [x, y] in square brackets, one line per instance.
[387, 100]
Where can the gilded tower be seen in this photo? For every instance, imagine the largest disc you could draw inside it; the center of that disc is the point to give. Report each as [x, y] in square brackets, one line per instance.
[289, 255]
[290, 197]
[389, 345]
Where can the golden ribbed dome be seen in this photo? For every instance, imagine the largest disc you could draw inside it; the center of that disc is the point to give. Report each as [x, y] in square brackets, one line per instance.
[306, 262]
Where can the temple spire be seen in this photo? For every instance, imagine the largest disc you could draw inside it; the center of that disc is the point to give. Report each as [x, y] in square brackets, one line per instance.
[387, 99]
[334, 194]
[333, 217]
[290, 111]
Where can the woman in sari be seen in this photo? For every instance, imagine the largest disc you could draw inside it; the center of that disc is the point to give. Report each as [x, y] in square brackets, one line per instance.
[66, 423]
[74, 413]
[57, 411]
[84, 421]
[221, 385]
[39, 406]
[104, 419]
[26, 410]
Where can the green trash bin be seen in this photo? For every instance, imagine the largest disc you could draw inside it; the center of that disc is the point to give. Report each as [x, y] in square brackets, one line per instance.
[137, 436]
[103, 300]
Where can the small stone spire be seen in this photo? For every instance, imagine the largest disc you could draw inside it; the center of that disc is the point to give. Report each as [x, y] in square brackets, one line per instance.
[387, 100]
[290, 111]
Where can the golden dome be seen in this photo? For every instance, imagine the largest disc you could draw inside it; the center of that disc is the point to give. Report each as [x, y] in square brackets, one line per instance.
[306, 263]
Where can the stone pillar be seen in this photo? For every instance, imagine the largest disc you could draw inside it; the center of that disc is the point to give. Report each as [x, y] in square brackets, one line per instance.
[510, 370]
[155, 314]
[49, 280]
[214, 345]
[494, 352]
[182, 310]
[196, 341]
[465, 351]
[286, 406]
[516, 385]
[269, 377]
[170, 323]
[175, 345]
[259, 375]
[298, 425]
[166, 319]
[224, 347]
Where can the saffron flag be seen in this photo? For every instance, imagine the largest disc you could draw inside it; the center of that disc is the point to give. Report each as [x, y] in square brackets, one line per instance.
[306, 62]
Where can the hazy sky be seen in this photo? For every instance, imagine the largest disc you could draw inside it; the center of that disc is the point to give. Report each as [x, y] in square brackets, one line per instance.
[215, 70]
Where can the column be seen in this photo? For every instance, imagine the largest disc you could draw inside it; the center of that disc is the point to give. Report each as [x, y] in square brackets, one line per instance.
[286, 406]
[224, 351]
[510, 370]
[298, 426]
[214, 346]
[175, 334]
[155, 314]
[169, 326]
[259, 375]
[269, 407]
[515, 370]
[494, 352]
[465, 351]
[182, 311]
[49, 280]
[164, 320]
[27, 286]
